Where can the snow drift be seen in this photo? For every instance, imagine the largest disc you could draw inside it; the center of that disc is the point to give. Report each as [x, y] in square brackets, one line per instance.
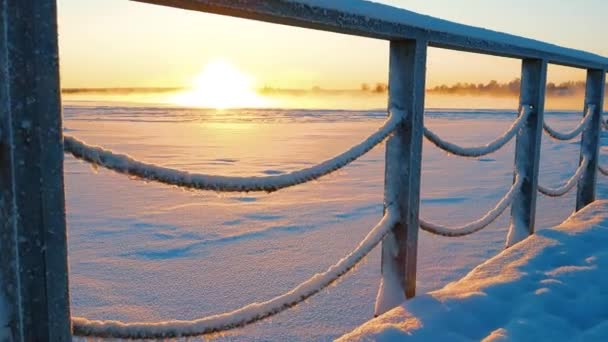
[551, 286]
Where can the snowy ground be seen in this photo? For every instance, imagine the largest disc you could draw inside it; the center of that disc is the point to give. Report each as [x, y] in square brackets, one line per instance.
[550, 287]
[146, 252]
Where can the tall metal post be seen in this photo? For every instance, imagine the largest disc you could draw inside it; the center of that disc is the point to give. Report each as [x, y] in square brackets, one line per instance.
[33, 251]
[590, 141]
[527, 149]
[407, 74]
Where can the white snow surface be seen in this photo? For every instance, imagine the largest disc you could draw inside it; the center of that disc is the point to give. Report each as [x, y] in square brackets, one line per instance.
[248, 314]
[549, 287]
[147, 252]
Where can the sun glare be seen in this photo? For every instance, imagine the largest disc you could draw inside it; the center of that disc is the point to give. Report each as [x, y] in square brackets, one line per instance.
[221, 85]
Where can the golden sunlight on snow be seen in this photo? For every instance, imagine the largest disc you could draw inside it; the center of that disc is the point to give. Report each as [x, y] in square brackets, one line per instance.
[221, 85]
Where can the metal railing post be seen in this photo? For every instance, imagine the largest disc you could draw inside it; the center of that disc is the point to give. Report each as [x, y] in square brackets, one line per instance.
[407, 73]
[590, 141]
[527, 149]
[33, 249]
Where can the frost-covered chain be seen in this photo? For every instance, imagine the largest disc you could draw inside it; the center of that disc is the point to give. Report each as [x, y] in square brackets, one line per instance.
[562, 190]
[479, 151]
[124, 164]
[573, 133]
[477, 225]
[247, 314]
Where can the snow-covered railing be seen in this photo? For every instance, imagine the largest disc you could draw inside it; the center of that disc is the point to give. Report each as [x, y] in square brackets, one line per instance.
[33, 247]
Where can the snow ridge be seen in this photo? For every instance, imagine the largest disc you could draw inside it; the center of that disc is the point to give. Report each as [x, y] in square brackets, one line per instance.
[573, 133]
[247, 314]
[549, 287]
[479, 151]
[124, 164]
[564, 189]
[479, 224]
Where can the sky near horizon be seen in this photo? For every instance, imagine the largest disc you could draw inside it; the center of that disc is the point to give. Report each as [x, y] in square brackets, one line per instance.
[119, 43]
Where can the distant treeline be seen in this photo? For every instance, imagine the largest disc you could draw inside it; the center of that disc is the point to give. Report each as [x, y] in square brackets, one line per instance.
[509, 89]
[492, 88]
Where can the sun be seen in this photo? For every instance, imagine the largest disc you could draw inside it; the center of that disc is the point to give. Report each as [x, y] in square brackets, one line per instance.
[221, 85]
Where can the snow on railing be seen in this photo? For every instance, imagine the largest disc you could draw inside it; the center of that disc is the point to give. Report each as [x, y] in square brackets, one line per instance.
[124, 164]
[570, 183]
[479, 151]
[248, 314]
[573, 133]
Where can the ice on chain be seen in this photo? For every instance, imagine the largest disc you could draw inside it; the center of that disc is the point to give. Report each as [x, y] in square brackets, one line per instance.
[124, 164]
[478, 225]
[573, 133]
[479, 151]
[247, 314]
[562, 190]
[602, 170]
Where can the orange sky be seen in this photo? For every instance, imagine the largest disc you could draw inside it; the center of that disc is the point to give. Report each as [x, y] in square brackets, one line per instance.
[118, 43]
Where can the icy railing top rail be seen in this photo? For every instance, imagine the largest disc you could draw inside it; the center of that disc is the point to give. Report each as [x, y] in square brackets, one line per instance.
[374, 20]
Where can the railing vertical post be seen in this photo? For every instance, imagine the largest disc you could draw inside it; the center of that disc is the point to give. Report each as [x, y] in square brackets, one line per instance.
[33, 251]
[527, 149]
[407, 74]
[590, 141]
